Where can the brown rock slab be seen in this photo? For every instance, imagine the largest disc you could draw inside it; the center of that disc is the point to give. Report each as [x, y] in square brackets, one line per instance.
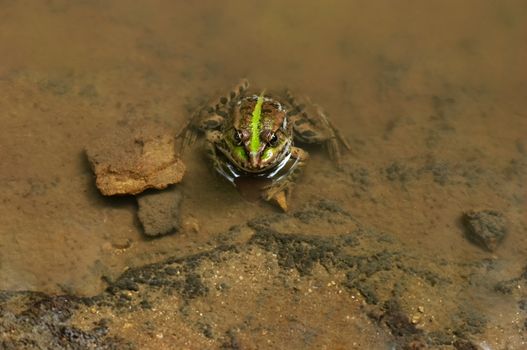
[131, 159]
[486, 228]
[159, 212]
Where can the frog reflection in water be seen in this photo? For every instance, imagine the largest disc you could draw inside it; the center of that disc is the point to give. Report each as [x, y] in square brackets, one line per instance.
[253, 134]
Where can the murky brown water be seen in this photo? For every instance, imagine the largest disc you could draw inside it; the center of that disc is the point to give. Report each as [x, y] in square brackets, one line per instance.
[432, 96]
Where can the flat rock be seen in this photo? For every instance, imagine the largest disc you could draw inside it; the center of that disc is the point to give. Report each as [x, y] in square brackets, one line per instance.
[486, 228]
[159, 211]
[130, 159]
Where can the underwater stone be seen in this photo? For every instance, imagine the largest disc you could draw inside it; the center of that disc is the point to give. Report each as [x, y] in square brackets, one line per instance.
[159, 211]
[486, 228]
[131, 159]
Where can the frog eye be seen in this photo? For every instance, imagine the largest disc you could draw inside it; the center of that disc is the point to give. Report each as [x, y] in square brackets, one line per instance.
[269, 137]
[237, 137]
[273, 140]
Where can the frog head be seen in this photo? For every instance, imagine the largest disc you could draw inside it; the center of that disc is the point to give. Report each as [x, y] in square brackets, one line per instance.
[259, 137]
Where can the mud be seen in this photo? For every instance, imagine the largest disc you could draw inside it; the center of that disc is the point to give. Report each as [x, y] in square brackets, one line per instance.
[430, 96]
[373, 290]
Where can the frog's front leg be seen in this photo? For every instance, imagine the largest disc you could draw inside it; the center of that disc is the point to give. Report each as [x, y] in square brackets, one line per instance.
[203, 121]
[212, 116]
[311, 125]
[213, 140]
[281, 188]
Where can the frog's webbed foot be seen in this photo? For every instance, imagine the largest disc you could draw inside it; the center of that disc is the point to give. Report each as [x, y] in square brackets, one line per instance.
[311, 125]
[212, 116]
[281, 188]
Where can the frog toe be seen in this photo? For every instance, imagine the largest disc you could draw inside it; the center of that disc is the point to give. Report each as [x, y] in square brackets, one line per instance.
[280, 199]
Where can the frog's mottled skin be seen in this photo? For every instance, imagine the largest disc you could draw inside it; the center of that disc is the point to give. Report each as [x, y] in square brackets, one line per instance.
[253, 134]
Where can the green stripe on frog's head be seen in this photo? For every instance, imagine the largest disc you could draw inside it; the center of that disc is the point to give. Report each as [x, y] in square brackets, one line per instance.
[254, 146]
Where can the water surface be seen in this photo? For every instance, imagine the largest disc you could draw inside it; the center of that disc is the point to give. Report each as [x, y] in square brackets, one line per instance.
[430, 94]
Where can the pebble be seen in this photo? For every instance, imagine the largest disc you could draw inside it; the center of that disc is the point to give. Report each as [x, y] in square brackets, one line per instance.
[486, 228]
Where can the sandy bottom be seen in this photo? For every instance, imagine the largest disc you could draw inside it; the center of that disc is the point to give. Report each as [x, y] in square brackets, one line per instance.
[431, 97]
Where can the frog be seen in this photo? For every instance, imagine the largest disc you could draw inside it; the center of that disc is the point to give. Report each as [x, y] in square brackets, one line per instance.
[255, 134]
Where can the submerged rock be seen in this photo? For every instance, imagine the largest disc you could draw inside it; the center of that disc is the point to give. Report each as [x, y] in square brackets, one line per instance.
[159, 211]
[131, 159]
[486, 228]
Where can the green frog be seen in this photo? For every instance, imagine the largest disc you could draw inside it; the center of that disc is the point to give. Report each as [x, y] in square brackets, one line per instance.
[253, 135]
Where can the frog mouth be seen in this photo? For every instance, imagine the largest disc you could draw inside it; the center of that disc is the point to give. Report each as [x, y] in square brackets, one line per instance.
[231, 171]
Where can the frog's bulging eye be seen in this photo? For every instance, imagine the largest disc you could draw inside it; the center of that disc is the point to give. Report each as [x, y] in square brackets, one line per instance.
[237, 137]
[273, 140]
[269, 137]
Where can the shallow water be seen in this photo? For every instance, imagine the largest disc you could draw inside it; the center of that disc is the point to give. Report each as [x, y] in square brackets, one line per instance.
[432, 96]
